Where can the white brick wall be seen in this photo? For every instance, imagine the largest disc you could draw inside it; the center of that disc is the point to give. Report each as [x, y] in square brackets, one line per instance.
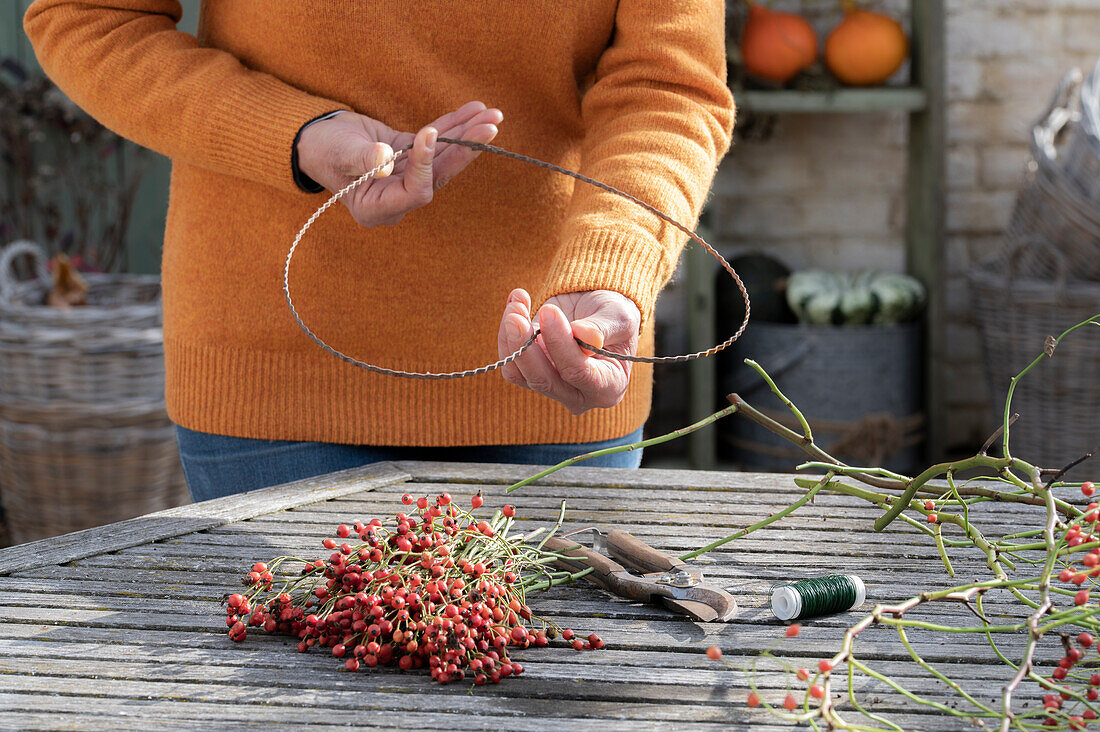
[829, 190]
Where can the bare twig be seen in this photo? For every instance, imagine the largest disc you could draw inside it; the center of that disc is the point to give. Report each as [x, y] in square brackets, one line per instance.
[993, 437]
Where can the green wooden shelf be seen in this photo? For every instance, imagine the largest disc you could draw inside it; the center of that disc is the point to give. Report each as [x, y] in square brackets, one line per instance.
[923, 100]
[881, 99]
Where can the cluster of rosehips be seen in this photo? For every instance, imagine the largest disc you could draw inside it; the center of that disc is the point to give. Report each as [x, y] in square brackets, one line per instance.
[441, 589]
[1074, 537]
[1052, 702]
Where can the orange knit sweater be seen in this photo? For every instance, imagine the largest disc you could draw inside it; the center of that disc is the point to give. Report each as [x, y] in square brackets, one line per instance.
[631, 92]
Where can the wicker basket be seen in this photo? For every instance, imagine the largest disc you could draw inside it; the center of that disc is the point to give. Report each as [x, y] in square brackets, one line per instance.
[1083, 149]
[101, 366]
[1059, 201]
[64, 470]
[1057, 401]
[114, 300]
[84, 437]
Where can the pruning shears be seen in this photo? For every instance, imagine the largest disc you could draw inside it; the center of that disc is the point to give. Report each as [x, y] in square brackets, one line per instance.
[636, 571]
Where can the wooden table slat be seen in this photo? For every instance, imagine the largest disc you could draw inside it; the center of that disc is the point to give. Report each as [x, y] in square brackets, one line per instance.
[124, 622]
[195, 517]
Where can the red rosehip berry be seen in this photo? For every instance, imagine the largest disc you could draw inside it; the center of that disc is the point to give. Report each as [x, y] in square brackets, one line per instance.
[343, 531]
[1089, 714]
[352, 664]
[793, 629]
[235, 600]
[1087, 488]
[929, 505]
[753, 700]
[567, 634]
[817, 691]
[933, 518]
[824, 666]
[444, 499]
[1081, 597]
[406, 499]
[803, 674]
[1086, 639]
[714, 653]
[578, 644]
[790, 703]
[508, 511]
[477, 500]
[1067, 574]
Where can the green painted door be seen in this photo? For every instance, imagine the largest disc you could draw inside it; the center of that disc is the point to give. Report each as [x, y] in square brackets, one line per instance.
[145, 233]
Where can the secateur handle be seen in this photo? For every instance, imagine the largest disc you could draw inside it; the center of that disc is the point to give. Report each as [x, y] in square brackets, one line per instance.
[607, 573]
[638, 556]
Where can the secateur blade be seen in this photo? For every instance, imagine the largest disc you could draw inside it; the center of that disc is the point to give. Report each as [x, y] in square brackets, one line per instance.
[599, 539]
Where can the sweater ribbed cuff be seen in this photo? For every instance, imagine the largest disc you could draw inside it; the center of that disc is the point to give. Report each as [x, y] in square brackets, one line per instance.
[254, 136]
[608, 260]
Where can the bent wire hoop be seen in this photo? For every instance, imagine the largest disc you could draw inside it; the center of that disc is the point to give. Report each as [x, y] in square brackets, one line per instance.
[482, 147]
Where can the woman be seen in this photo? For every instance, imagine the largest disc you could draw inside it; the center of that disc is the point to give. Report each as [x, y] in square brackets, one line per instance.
[629, 92]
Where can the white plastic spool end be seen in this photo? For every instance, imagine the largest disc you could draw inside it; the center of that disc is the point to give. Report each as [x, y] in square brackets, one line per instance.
[787, 603]
[861, 591]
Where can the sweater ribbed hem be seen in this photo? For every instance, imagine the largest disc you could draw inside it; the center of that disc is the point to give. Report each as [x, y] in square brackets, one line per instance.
[609, 260]
[312, 396]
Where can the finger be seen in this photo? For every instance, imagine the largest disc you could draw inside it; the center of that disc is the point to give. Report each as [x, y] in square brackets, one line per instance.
[514, 331]
[418, 177]
[535, 370]
[599, 381]
[455, 158]
[456, 131]
[448, 122]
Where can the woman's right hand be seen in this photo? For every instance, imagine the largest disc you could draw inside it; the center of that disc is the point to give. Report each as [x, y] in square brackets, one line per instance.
[336, 151]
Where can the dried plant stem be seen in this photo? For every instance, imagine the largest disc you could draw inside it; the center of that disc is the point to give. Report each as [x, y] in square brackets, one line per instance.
[626, 448]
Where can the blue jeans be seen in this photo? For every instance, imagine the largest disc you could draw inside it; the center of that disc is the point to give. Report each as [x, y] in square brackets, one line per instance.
[217, 465]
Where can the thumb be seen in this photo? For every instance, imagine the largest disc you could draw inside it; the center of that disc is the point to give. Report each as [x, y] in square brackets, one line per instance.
[418, 177]
[375, 154]
[589, 331]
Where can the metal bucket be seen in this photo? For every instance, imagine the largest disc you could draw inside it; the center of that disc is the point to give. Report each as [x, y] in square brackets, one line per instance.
[859, 387]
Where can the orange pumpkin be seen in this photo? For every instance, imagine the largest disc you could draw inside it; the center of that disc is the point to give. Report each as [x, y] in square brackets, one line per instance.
[776, 46]
[866, 48]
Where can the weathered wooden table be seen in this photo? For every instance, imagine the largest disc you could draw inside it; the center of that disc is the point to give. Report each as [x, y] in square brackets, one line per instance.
[121, 626]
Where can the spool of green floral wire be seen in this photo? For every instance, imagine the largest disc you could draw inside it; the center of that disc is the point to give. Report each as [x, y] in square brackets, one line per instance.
[811, 598]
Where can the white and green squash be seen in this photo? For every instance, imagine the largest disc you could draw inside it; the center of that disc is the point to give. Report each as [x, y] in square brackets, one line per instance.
[854, 298]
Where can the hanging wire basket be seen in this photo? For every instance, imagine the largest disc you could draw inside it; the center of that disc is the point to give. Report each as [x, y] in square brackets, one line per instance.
[1059, 202]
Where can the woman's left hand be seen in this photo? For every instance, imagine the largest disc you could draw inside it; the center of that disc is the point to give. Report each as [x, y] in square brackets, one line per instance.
[556, 365]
